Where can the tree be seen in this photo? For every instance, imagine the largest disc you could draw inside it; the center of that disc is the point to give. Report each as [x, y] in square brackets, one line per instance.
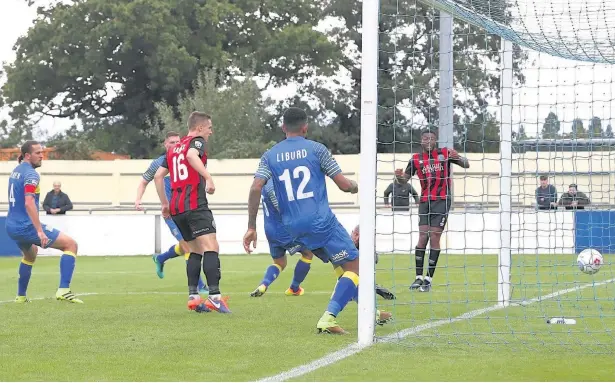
[551, 127]
[520, 135]
[480, 135]
[595, 128]
[578, 131]
[238, 116]
[113, 60]
[608, 133]
[408, 71]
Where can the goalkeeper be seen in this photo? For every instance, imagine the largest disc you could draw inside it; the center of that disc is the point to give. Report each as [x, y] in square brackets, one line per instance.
[384, 293]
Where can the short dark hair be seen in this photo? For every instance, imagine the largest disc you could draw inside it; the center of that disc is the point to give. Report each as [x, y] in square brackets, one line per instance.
[573, 186]
[543, 178]
[294, 119]
[429, 129]
[26, 148]
[172, 133]
[196, 119]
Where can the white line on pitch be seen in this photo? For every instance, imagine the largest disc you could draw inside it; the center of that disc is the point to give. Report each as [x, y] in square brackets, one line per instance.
[355, 348]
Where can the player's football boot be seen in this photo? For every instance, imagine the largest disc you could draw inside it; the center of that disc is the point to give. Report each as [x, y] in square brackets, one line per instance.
[418, 282]
[218, 304]
[159, 266]
[259, 291]
[383, 317]
[67, 296]
[290, 292]
[384, 293]
[22, 299]
[425, 287]
[197, 304]
[328, 324]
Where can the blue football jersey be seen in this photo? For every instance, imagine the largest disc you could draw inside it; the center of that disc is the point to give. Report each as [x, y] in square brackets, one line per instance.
[297, 168]
[270, 204]
[151, 172]
[22, 181]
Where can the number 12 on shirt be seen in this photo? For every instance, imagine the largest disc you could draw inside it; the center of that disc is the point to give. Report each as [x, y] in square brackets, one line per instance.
[302, 172]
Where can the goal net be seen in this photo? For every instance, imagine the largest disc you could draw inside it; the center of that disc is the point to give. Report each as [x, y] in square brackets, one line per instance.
[524, 90]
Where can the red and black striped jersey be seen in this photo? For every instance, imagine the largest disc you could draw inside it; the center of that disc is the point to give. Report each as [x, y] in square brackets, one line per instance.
[433, 170]
[187, 185]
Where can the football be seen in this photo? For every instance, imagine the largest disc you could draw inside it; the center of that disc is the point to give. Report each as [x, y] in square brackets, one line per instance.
[590, 261]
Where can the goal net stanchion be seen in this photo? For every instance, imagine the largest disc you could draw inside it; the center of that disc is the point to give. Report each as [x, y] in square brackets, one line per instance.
[504, 267]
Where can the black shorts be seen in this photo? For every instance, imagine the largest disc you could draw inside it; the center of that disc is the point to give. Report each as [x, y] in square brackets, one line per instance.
[434, 213]
[195, 223]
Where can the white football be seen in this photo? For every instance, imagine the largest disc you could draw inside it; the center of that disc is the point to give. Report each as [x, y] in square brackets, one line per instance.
[590, 261]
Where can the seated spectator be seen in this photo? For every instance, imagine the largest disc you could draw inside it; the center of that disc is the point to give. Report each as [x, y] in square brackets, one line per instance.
[56, 201]
[401, 189]
[573, 199]
[546, 195]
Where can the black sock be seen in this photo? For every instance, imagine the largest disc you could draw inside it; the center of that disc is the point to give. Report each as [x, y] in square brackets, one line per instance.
[434, 254]
[419, 255]
[193, 271]
[211, 268]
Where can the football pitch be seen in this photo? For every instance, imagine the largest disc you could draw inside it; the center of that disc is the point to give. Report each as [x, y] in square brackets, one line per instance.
[135, 326]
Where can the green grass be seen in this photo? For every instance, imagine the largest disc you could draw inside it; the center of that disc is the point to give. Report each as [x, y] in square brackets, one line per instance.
[135, 326]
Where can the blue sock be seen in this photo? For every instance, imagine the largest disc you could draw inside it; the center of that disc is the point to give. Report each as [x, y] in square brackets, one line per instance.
[67, 266]
[273, 271]
[301, 271]
[201, 284]
[25, 271]
[173, 252]
[345, 291]
[339, 272]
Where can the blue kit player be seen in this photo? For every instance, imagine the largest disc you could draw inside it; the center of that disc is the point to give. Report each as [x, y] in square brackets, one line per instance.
[172, 138]
[297, 168]
[24, 226]
[280, 242]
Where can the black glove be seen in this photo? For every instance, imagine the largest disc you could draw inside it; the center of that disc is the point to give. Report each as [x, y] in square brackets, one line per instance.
[384, 293]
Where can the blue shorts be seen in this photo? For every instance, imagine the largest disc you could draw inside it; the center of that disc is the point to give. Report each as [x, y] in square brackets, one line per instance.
[173, 227]
[279, 240]
[339, 247]
[26, 236]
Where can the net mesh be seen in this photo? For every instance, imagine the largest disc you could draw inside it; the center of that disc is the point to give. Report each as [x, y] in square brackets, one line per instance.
[561, 117]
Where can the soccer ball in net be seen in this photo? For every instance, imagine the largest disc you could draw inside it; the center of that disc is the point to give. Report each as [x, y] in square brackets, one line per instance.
[590, 261]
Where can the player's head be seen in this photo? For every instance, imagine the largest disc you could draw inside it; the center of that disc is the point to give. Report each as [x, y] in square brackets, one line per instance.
[544, 181]
[355, 236]
[32, 152]
[429, 138]
[171, 139]
[199, 124]
[572, 189]
[295, 122]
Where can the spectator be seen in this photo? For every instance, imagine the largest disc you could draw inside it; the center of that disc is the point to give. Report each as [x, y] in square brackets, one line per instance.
[546, 195]
[56, 201]
[401, 189]
[573, 199]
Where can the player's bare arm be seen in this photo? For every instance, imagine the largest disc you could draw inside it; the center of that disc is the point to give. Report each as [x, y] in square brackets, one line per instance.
[254, 199]
[345, 184]
[194, 159]
[159, 182]
[140, 192]
[32, 211]
[458, 160]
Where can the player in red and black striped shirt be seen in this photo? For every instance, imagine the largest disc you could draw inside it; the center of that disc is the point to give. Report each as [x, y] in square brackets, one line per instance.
[186, 165]
[433, 168]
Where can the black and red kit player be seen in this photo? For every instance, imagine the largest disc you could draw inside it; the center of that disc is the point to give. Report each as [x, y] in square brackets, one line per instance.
[433, 169]
[186, 165]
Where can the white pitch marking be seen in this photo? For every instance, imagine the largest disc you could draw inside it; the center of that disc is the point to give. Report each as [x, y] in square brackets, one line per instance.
[355, 348]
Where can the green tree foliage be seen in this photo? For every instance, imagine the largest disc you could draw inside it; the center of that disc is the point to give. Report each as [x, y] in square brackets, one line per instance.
[113, 60]
[408, 74]
[578, 130]
[608, 133]
[238, 116]
[551, 127]
[595, 127]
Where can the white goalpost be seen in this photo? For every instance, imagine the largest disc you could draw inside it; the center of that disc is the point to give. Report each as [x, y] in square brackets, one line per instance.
[481, 72]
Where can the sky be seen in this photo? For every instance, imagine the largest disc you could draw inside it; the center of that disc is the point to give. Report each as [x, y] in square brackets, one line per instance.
[572, 89]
